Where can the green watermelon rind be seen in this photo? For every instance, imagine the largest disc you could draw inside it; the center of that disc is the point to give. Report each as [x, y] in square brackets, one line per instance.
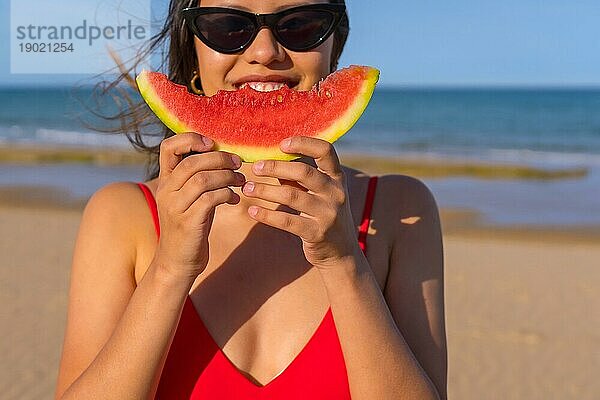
[337, 129]
[157, 105]
[353, 113]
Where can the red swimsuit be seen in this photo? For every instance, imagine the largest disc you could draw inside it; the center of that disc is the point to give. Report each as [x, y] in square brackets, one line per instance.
[196, 368]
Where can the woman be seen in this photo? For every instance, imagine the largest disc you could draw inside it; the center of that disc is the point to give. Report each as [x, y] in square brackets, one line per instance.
[221, 279]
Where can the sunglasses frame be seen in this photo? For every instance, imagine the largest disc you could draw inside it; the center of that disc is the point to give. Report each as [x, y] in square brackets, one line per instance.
[264, 20]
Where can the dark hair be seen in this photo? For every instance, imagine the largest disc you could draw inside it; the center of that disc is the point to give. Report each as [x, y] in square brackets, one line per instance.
[135, 118]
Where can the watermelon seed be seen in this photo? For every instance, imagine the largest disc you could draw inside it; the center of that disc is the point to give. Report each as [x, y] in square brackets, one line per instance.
[328, 94]
[280, 98]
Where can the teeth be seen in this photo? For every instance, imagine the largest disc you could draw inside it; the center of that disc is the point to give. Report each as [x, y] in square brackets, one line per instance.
[264, 86]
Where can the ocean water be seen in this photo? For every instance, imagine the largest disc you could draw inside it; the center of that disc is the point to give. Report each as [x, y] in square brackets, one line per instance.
[51, 116]
[520, 125]
[544, 127]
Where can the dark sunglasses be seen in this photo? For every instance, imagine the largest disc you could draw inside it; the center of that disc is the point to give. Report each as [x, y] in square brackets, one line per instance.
[229, 31]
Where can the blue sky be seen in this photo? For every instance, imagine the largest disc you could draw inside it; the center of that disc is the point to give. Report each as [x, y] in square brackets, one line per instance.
[425, 42]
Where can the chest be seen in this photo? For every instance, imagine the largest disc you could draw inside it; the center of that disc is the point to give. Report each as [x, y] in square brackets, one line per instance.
[259, 299]
[246, 264]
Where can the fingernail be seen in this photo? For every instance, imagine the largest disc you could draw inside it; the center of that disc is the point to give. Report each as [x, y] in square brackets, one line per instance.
[286, 143]
[237, 161]
[207, 141]
[253, 210]
[249, 187]
[259, 165]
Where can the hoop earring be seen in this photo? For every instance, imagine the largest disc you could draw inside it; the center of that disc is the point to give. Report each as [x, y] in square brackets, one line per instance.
[194, 86]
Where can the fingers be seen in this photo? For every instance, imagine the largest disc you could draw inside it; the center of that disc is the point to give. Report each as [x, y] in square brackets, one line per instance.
[214, 160]
[175, 147]
[189, 169]
[303, 227]
[292, 197]
[199, 186]
[320, 150]
[306, 175]
[207, 202]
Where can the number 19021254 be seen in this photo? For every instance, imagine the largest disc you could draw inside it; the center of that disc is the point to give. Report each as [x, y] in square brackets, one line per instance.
[46, 47]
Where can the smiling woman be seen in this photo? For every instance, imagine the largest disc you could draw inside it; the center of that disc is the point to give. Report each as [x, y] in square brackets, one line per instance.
[217, 278]
[136, 120]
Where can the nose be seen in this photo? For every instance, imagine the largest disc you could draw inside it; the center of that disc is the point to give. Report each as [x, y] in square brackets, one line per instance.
[265, 49]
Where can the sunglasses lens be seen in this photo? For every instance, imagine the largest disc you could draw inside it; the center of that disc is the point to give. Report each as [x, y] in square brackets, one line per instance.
[304, 29]
[225, 31]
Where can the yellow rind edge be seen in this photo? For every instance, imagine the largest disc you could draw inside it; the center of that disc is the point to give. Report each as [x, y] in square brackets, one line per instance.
[252, 153]
[354, 112]
[156, 105]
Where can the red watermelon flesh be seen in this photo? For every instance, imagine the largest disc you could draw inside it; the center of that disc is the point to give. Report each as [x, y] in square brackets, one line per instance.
[251, 123]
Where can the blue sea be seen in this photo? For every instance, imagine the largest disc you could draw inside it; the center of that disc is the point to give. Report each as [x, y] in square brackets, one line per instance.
[549, 127]
[520, 125]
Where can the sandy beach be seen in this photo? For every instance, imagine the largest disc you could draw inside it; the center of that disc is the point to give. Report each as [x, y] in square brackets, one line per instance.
[519, 303]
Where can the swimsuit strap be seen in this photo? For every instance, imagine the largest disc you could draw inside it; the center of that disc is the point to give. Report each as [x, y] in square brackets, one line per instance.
[364, 226]
[152, 206]
[366, 219]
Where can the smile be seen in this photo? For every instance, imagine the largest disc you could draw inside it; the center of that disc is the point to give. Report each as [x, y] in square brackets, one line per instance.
[264, 86]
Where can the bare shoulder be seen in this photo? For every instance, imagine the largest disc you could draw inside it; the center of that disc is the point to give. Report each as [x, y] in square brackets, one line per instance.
[119, 207]
[120, 215]
[405, 196]
[102, 279]
[399, 200]
[410, 218]
[112, 195]
[119, 197]
[414, 288]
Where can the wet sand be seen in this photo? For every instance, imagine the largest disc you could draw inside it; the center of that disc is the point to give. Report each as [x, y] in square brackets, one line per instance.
[27, 154]
[520, 302]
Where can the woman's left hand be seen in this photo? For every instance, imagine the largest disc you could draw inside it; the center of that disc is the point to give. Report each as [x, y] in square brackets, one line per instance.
[324, 222]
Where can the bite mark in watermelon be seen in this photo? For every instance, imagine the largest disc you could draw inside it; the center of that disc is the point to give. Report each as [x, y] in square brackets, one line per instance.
[252, 124]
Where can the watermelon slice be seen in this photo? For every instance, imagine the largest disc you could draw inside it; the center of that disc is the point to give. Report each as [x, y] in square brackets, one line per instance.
[251, 123]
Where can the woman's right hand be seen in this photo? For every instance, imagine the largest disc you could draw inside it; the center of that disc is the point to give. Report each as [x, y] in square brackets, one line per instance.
[189, 189]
